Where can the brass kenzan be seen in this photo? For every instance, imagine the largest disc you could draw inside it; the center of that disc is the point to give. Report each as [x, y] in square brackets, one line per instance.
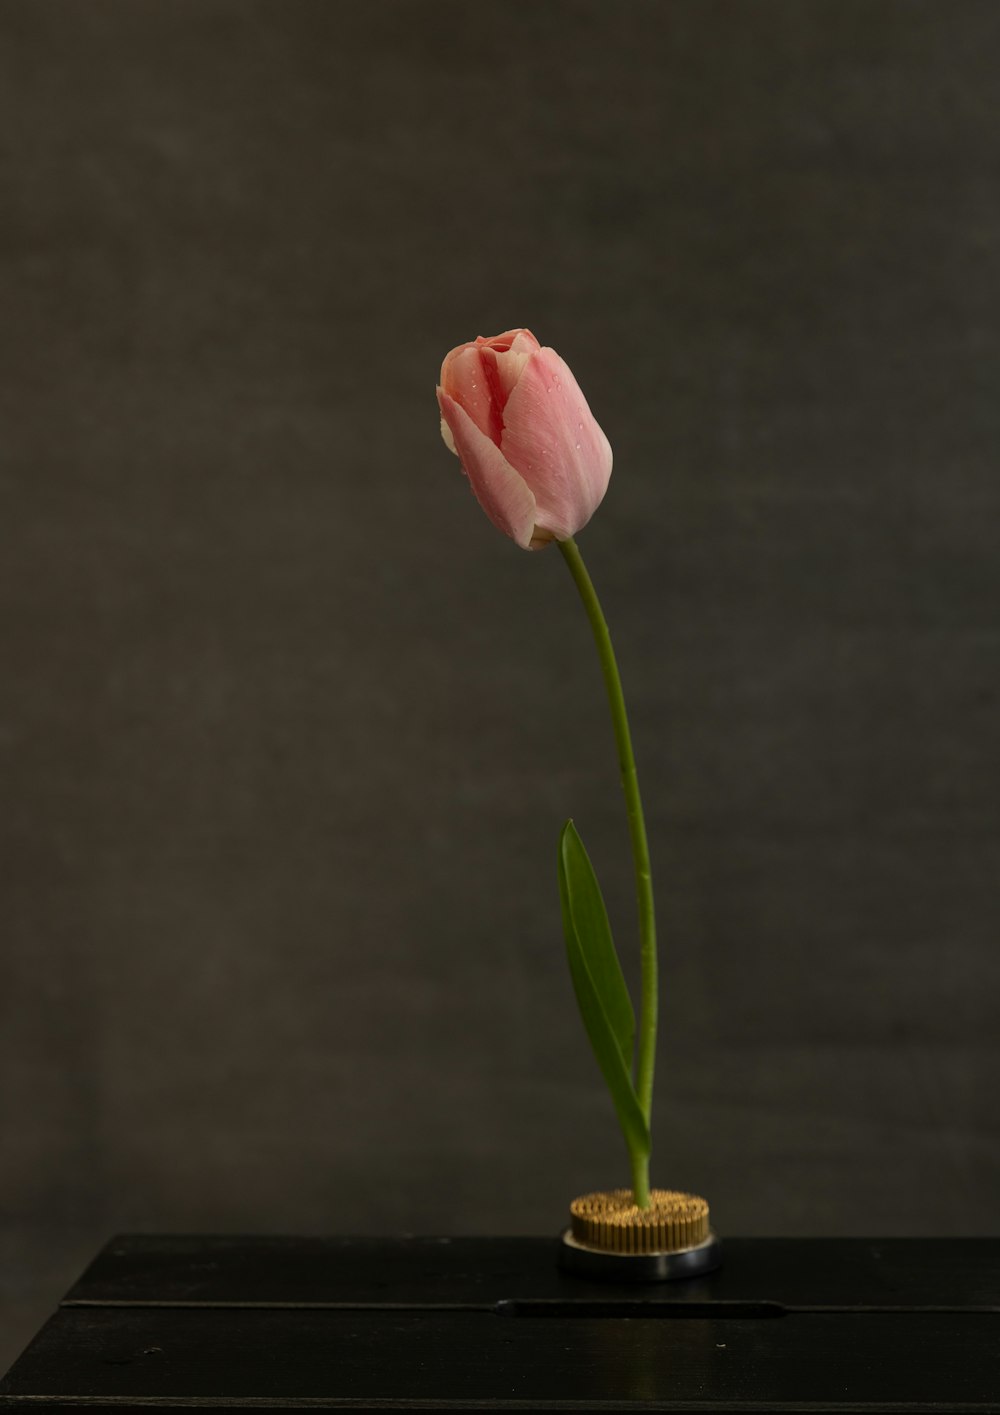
[611, 1222]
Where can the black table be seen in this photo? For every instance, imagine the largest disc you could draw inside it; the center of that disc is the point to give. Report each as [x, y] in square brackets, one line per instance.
[462, 1324]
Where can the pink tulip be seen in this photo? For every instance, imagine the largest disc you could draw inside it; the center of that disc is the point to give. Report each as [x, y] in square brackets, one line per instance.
[536, 460]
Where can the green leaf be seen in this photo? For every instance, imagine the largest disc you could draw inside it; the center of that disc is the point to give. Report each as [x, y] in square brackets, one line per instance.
[591, 929]
[600, 987]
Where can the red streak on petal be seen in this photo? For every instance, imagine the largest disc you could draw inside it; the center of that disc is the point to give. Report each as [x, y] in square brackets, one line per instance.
[491, 377]
[500, 342]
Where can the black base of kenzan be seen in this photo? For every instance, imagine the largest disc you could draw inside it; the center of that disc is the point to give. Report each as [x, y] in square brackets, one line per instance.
[596, 1263]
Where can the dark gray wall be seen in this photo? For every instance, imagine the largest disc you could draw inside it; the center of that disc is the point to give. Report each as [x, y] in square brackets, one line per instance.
[288, 731]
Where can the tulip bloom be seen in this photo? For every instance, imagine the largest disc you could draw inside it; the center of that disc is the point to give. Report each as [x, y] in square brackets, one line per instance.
[535, 457]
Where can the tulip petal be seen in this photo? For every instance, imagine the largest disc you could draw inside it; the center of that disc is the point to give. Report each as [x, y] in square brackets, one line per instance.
[466, 379]
[507, 364]
[501, 491]
[551, 437]
[521, 339]
[447, 438]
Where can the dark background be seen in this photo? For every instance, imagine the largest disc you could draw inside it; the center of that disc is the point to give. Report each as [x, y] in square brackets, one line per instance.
[288, 731]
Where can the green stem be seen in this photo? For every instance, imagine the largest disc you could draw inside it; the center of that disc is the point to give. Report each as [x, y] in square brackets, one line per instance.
[646, 1059]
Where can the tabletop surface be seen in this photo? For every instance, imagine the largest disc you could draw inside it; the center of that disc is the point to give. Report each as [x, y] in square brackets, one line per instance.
[269, 1323]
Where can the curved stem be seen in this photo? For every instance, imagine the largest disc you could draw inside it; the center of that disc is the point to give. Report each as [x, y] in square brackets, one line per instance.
[646, 1058]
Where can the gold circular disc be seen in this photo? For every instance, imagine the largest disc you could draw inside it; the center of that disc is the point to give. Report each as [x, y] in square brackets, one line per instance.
[611, 1222]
